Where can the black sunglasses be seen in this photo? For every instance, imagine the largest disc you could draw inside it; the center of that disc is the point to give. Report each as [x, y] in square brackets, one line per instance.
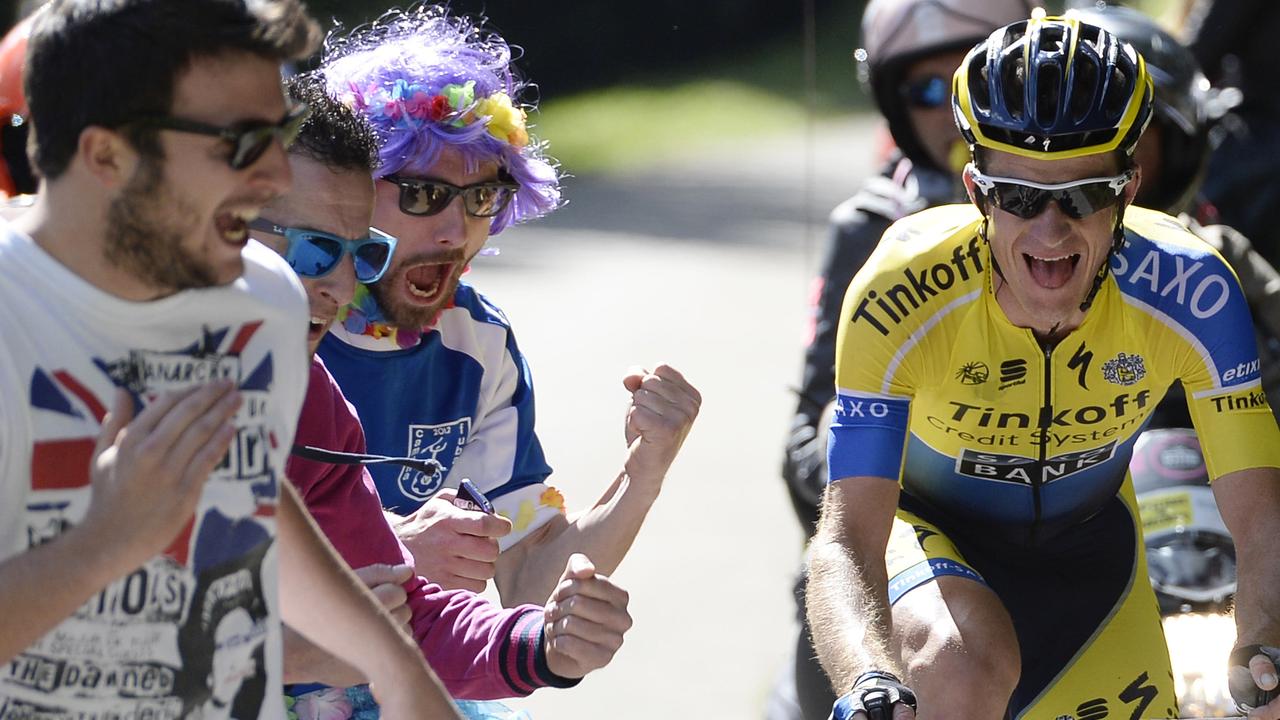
[927, 92]
[1027, 199]
[423, 197]
[249, 139]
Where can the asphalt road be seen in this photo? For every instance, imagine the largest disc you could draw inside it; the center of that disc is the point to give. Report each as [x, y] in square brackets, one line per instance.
[702, 262]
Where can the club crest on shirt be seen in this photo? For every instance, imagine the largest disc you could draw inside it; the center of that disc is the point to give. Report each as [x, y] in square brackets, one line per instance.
[442, 443]
[1124, 369]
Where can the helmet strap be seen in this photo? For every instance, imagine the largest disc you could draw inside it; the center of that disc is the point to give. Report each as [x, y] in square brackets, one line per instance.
[1117, 242]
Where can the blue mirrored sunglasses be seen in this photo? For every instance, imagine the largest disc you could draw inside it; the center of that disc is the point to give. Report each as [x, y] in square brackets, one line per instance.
[927, 92]
[314, 253]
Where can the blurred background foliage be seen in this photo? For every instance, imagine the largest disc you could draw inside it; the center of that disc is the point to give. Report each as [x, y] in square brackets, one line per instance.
[622, 83]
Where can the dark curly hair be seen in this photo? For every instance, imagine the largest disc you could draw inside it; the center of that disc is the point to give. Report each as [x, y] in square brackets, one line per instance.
[334, 135]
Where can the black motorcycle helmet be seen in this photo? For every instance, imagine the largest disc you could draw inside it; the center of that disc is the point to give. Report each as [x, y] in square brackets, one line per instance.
[1182, 96]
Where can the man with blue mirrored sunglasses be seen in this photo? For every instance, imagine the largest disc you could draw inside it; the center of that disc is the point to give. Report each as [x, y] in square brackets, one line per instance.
[315, 253]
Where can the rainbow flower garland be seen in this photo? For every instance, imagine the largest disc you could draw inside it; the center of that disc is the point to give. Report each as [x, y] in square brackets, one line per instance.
[410, 105]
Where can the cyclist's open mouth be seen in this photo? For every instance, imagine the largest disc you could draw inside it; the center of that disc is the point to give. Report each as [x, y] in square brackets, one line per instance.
[427, 283]
[1051, 272]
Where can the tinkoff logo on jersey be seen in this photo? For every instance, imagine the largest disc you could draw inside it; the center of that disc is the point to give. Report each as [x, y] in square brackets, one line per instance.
[442, 444]
[1124, 369]
[1026, 471]
[915, 291]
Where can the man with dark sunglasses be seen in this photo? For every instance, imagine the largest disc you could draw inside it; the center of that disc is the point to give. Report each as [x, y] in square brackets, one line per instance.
[322, 228]
[431, 364]
[910, 50]
[152, 374]
[979, 553]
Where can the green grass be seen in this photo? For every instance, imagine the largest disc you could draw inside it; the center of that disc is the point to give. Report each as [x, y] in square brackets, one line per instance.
[627, 126]
[756, 91]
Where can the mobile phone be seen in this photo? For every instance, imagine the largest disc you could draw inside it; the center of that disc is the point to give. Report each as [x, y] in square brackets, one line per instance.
[470, 498]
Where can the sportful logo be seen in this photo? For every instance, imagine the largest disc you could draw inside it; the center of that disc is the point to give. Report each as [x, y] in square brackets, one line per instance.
[1012, 373]
[973, 373]
[1124, 369]
[900, 299]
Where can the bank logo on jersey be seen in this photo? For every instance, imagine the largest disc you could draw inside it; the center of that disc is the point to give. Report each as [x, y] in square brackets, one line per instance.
[441, 443]
[1027, 471]
[1124, 369]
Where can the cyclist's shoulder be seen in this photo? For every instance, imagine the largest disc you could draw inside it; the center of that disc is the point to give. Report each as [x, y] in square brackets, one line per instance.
[925, 238]
[1163, 261]
[1166, 272]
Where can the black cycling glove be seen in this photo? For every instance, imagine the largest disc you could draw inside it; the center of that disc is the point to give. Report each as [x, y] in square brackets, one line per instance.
[874, 693]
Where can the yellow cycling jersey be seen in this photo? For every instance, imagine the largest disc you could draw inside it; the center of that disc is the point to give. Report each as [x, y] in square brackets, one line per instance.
[977, 419]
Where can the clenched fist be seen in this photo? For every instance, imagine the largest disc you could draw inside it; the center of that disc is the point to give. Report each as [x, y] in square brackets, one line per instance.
[586, 618]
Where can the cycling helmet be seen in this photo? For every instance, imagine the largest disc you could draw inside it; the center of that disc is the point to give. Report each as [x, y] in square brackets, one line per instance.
[1182, 99]
[896, 33]
[1190, 556]
[1052, 88]
[15, 170]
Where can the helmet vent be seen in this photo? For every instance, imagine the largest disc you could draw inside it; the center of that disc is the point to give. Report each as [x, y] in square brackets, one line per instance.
[1083, 90]
[1012, 86]
[1117, 94]
[979, 91]
[1048, 92]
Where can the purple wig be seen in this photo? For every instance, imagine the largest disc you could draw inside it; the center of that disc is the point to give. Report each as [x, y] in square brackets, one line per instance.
[427, 80]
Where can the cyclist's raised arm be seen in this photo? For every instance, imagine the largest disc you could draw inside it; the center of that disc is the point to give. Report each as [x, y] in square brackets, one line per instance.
[847, 597]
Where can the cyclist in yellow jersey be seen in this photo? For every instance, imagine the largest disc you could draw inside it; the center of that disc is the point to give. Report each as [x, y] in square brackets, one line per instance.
[979, 554]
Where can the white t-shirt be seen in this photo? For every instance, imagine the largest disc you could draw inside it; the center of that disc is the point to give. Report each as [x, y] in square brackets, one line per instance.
[196, 629]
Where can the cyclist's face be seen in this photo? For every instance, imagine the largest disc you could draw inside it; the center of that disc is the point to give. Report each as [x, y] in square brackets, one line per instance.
[333, 201]
[1048, 261]
[433, 250]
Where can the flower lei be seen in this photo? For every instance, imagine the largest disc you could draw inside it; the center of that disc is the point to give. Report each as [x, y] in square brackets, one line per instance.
[364, 317]
[411, 104]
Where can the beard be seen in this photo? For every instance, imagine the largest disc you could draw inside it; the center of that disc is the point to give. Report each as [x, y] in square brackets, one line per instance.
[404, 314]
[146, 227]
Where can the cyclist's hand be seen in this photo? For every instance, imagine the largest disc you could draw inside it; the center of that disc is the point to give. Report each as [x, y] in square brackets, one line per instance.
[1252, 679]
[876, 696]
[165, 455]
[386, 582]
[586, 618]
[663, 408]
[455, 548]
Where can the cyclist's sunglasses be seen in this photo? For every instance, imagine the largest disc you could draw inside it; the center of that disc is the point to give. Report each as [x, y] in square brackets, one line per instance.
[927, 92]
[423, 197]
[1026, 199]
[314, 254]
[249, 140]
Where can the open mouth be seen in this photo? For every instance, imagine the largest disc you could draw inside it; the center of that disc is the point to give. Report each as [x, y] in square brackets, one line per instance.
[234, 226]
[427, 283]
[1051, 272]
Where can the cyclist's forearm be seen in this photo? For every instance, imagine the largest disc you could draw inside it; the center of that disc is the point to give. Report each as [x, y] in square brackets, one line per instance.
[529, 571]
[848, 612]
[1248, 500]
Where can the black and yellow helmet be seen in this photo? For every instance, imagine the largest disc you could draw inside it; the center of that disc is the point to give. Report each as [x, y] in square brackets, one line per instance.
[1052, 88]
